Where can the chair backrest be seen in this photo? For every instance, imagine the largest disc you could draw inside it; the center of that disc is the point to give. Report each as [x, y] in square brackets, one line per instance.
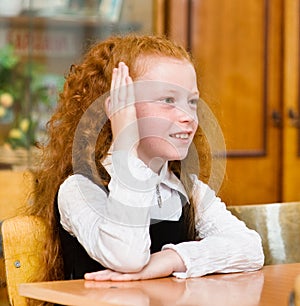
[295, 301]
[23, 247]
[279, 227]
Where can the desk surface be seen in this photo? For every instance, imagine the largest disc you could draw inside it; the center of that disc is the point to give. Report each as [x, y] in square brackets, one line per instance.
[270, 286]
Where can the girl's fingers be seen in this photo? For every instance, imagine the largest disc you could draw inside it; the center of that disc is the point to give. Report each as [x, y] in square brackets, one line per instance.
[119, 89]
[115, 88]
[124, 277]
[92, 275]
[113, 79]
[119, 81]
[107, 274]
[118, 78]
[123, 82]
[130, 90]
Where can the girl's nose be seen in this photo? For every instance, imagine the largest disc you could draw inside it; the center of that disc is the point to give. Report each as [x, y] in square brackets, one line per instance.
[185, 113]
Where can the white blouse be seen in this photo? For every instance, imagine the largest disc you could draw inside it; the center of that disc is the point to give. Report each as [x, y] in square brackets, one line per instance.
[114, 227]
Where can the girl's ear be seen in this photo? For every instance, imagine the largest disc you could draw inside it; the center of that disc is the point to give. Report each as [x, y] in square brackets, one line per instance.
[107, 107]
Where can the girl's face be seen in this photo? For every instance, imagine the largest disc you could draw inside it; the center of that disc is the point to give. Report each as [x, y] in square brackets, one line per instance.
[166, 106]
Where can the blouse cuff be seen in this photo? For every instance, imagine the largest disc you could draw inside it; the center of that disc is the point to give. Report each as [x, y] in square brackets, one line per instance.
[185, 259]
[189, 256]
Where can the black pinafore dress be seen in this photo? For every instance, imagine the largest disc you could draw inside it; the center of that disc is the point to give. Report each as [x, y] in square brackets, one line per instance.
[77, 262]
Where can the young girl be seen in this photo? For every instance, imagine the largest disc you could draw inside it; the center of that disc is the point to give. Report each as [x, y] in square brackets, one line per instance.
[113, 185]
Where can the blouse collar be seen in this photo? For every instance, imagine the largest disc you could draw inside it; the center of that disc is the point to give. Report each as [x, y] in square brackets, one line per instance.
[165, 176]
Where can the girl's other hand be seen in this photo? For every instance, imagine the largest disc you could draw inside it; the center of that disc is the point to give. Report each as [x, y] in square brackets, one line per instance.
[161, 264]
[121, 110]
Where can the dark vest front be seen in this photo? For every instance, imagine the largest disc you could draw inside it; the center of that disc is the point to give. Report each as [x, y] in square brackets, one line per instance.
[77, 262]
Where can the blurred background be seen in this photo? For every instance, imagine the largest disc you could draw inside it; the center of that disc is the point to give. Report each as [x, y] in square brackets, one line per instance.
[247, 59]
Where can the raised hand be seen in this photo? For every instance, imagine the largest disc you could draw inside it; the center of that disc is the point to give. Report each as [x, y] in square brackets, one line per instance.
[121, 110]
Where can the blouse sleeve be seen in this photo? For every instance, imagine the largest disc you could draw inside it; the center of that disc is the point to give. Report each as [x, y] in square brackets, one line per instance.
[113, 227]
[225, 243]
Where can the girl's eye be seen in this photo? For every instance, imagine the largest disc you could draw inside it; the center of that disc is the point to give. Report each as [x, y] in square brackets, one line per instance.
[194, 102]
[168, 100]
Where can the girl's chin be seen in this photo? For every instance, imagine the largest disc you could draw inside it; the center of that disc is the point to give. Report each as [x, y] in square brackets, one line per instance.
[161, 157]
[175, 157]
[179, 155]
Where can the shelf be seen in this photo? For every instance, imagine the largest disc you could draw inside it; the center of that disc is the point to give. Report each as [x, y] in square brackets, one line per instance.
[66, 21]
[61, 37]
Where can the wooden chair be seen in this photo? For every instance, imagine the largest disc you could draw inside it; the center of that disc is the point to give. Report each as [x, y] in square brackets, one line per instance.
[296, 293]
[23, 246]
[279, 227]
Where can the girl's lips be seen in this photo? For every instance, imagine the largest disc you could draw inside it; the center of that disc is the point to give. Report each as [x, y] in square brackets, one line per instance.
[180, 136]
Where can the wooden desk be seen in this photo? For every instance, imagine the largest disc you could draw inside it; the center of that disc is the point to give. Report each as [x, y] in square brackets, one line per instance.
[270, 286]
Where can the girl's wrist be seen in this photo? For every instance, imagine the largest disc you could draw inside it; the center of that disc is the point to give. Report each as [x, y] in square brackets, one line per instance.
[175, 259]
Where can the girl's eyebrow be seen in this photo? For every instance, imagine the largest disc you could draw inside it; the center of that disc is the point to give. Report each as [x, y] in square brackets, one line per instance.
[170, 90]
[195, 94]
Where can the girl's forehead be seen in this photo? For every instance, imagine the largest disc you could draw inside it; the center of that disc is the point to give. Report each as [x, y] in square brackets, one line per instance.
[169, 71]
[147, 63]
